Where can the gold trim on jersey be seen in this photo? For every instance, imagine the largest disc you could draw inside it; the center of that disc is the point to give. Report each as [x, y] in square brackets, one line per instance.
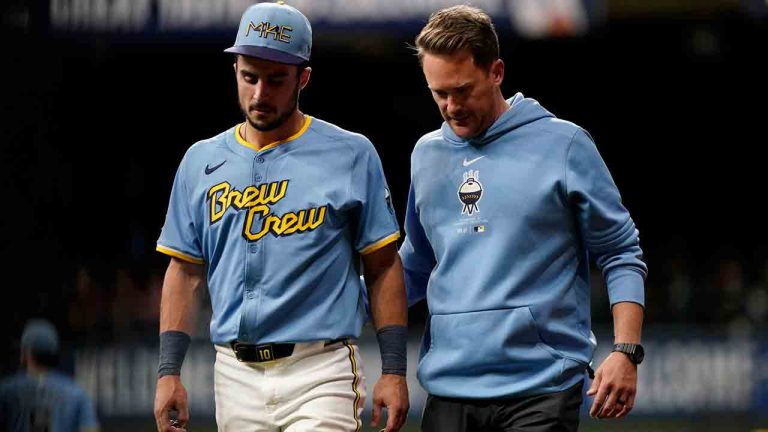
[180, 255]
[241, 140]
[355, 383]
[380, 244]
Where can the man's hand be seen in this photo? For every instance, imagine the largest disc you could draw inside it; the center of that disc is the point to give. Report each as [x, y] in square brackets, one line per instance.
[615, 386]
[171, 396]
[391, 391]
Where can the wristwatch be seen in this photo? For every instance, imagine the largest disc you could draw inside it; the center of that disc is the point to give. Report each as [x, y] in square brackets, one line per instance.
[635, 352]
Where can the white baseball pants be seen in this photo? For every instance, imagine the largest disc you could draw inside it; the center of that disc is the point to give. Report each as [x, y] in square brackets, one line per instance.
[318, 388]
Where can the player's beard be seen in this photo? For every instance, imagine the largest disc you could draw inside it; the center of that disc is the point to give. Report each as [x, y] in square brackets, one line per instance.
[282, 117]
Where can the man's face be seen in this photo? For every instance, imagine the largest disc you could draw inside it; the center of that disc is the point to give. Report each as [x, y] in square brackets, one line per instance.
[465, 93]
[268, 91]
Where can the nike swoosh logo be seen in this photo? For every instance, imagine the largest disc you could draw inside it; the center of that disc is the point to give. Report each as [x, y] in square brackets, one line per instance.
[209, 170]
[470, 162]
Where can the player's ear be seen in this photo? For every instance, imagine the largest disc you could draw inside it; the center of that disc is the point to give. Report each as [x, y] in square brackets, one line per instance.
[497, 71]
[304, 77]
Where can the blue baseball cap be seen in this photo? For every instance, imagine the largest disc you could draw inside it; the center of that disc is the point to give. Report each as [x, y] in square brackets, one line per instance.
[40, 337]
[275, 32]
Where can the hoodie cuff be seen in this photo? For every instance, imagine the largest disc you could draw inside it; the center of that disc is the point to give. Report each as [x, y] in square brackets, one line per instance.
[625, 285]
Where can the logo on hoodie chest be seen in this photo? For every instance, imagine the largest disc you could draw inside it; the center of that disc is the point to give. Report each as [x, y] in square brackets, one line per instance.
[470, 192]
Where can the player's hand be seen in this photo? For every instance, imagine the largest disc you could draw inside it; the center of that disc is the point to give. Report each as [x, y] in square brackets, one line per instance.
[171, 396]
[614, 387]
[391, 391]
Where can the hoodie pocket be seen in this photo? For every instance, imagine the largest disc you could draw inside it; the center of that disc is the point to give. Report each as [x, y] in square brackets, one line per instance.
[502, 345]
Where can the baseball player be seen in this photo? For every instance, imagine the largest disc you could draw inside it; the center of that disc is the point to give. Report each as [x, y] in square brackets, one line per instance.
[507, 204]
[40, 398]
[276, 215]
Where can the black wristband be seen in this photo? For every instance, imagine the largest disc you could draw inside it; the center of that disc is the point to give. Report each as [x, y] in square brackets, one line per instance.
[392, 344]
[173, 349]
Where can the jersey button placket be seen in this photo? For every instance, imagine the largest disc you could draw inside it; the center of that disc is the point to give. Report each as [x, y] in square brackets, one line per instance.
[255, 252]
[258, 164]
[253, 271]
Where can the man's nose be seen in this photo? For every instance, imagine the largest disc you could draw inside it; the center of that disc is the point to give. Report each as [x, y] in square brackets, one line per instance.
[260, 91]
[453, 106]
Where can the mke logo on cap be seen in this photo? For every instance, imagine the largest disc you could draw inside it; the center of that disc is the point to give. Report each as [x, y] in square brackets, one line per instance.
[265, 28]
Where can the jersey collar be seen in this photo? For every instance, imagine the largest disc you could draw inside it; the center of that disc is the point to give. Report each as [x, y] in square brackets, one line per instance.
[242, 141]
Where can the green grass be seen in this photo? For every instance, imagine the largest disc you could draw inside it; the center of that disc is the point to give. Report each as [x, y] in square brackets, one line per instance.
[699, 424]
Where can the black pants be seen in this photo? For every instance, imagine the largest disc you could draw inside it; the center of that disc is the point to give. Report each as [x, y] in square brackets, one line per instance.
[553, 412]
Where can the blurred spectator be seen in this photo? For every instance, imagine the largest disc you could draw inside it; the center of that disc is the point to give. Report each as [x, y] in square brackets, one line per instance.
[731, 286]
[135, 305]
[680, 288]
[125, 306]
[728, 291]
[87, 314]
[756, 299]
[39, 399]
[679, 282]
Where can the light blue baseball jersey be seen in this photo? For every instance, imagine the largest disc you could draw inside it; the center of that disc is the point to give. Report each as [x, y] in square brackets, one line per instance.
[52, 402]
[499, 233]
[281, 231]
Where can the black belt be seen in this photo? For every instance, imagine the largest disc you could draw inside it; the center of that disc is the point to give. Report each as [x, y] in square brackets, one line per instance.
[267, 352]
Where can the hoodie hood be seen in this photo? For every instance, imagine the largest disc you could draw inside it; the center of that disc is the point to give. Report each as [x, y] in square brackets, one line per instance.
[522, 110]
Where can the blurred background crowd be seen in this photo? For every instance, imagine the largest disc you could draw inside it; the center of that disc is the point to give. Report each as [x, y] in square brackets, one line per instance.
[118, 300]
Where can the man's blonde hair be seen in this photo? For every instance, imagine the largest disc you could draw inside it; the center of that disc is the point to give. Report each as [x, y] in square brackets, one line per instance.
[457, 28]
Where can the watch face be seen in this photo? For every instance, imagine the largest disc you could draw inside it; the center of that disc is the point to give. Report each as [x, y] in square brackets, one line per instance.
[639, 353]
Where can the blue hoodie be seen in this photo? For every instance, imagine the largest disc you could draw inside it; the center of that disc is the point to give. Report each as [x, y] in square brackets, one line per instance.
[499, 232]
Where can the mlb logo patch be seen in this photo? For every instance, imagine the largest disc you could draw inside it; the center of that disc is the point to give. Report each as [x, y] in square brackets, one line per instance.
[388, 199]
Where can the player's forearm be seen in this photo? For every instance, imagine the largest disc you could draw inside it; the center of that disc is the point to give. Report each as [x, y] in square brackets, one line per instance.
[179, 301]
[627, 322]
[387, 293]
[386, 289]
